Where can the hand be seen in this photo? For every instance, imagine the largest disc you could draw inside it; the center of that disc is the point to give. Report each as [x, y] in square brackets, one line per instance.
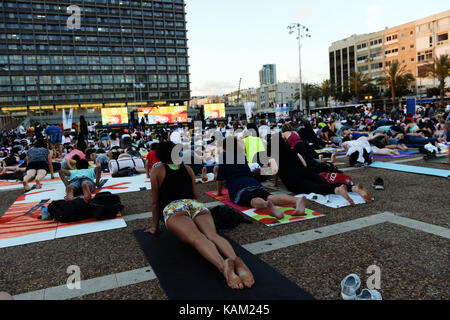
[52, 177]
[154, 230]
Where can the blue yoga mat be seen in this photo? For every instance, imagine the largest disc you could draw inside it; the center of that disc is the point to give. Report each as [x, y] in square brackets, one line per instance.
[411, 169]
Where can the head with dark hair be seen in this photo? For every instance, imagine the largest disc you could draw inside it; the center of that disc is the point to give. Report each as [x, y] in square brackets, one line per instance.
[307, 124]
[82, 120]
[82, 164]
[40, 143]
[154, 146]
[287, 127]
[164, 152]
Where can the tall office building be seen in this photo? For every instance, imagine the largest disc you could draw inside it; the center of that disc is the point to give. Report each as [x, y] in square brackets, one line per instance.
[268, 75]
[124, 52]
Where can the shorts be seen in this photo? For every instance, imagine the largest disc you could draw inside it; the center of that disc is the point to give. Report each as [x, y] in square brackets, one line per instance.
[55, 138]
[191, 207]
[38, 165]
[245, 196]
[77, 184]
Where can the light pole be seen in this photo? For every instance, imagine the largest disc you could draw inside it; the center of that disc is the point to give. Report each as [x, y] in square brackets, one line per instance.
[302, 31]
[39, 96]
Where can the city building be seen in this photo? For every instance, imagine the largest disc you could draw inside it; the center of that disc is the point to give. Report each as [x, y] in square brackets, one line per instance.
[414, 44]
[124, 53]
[268, 75]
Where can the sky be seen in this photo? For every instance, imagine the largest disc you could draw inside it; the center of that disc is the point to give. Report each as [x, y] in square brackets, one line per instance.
[233, 39]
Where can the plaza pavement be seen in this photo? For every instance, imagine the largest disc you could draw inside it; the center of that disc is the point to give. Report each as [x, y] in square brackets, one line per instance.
[405, 232]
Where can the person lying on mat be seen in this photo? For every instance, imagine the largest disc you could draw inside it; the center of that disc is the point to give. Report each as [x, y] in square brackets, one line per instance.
[175, 200]
[81, 181]
[245, 190]
[299, 179]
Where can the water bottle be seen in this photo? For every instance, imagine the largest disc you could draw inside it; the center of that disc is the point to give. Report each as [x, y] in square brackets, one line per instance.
[44, 213]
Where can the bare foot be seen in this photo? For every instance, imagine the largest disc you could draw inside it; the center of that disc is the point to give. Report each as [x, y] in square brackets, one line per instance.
[233, 280]
[26, 187]
[38, 185]
[244, 273]
[87, 197]
[275, 212]
[363, 192]
[69, 198]
[342, 191]
[321, 158]
[333, 158]
[204, 174]
[300, 209]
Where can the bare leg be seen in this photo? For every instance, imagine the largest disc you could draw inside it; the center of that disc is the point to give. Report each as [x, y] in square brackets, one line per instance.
[86, 192]
[204, 174]
[287, 200]
[39, 177]
[28, 177]
[182, 226]
[5, 296]
[333, 158]
[216, 171]
[359, 188]
[69, 194]
[259, 203]
[342, 191]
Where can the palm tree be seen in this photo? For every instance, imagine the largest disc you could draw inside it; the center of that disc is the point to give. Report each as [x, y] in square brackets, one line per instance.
[308, 92]
[396, 77]
[440, 70]
[358, 83]
[326, 90]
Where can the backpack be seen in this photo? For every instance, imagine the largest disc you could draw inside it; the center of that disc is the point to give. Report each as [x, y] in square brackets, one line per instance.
[69, 211]
[105, 205]
[226, 217]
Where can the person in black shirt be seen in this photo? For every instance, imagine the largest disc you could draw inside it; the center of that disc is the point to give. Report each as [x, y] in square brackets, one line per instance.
[175, 200]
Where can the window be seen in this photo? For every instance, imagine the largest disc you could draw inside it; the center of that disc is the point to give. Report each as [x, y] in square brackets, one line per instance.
[361, 46]
[442, 37]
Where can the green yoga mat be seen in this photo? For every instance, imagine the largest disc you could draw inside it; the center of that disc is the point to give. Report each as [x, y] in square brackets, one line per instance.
[411, 169]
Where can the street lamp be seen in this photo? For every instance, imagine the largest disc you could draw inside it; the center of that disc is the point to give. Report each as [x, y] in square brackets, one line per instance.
[369, 99]
[301, 31]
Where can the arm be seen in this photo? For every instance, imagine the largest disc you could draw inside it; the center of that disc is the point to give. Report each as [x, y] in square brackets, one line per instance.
[98, 175]
[147, 169]
[50, 164]
[63, 174]
[275, 181]
[155, 229]
[219, 188]
[194, 184]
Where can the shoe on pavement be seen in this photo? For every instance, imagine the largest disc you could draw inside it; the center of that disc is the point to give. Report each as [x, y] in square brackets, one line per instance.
[369, 295]
[378, 184]
[349, 286]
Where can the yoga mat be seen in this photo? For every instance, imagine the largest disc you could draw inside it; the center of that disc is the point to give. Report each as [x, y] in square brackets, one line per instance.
[333, 200]
[411, 169]
[403, 154]
[263, 215]
[185, 275]
[126, 184]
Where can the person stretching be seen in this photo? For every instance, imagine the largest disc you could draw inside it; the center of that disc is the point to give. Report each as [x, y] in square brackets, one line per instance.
[83, 180]
[245, 190]
[175, 200]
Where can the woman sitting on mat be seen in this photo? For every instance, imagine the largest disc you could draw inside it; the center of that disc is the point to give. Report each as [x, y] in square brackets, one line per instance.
[244, 190]
[175, 200]
[299, 179]
[39, 163]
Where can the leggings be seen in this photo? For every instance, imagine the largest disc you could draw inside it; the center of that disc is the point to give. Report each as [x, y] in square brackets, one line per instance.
[314, 184]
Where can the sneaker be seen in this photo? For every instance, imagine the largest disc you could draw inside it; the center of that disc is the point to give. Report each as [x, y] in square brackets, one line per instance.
[369, 295]
[378, 184]
[349, 286]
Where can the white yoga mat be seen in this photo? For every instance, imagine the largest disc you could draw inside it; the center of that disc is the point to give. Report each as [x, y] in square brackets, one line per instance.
[333, 200]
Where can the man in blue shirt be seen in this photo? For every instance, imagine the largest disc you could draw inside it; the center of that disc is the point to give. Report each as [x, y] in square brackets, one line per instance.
[54, 135]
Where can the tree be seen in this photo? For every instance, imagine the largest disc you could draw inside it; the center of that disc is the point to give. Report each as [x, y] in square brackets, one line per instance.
[396, 77]
[309, 92]
[440, 70]
[358, 84]
[326, 89]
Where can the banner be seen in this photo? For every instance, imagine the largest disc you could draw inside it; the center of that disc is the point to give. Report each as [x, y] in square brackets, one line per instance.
[64, 120]
[162, 115]
[215, 111]
[114, 116]
[282, 111]
[249, 106]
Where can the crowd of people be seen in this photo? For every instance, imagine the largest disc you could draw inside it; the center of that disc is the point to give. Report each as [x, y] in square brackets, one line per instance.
[238, 153]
